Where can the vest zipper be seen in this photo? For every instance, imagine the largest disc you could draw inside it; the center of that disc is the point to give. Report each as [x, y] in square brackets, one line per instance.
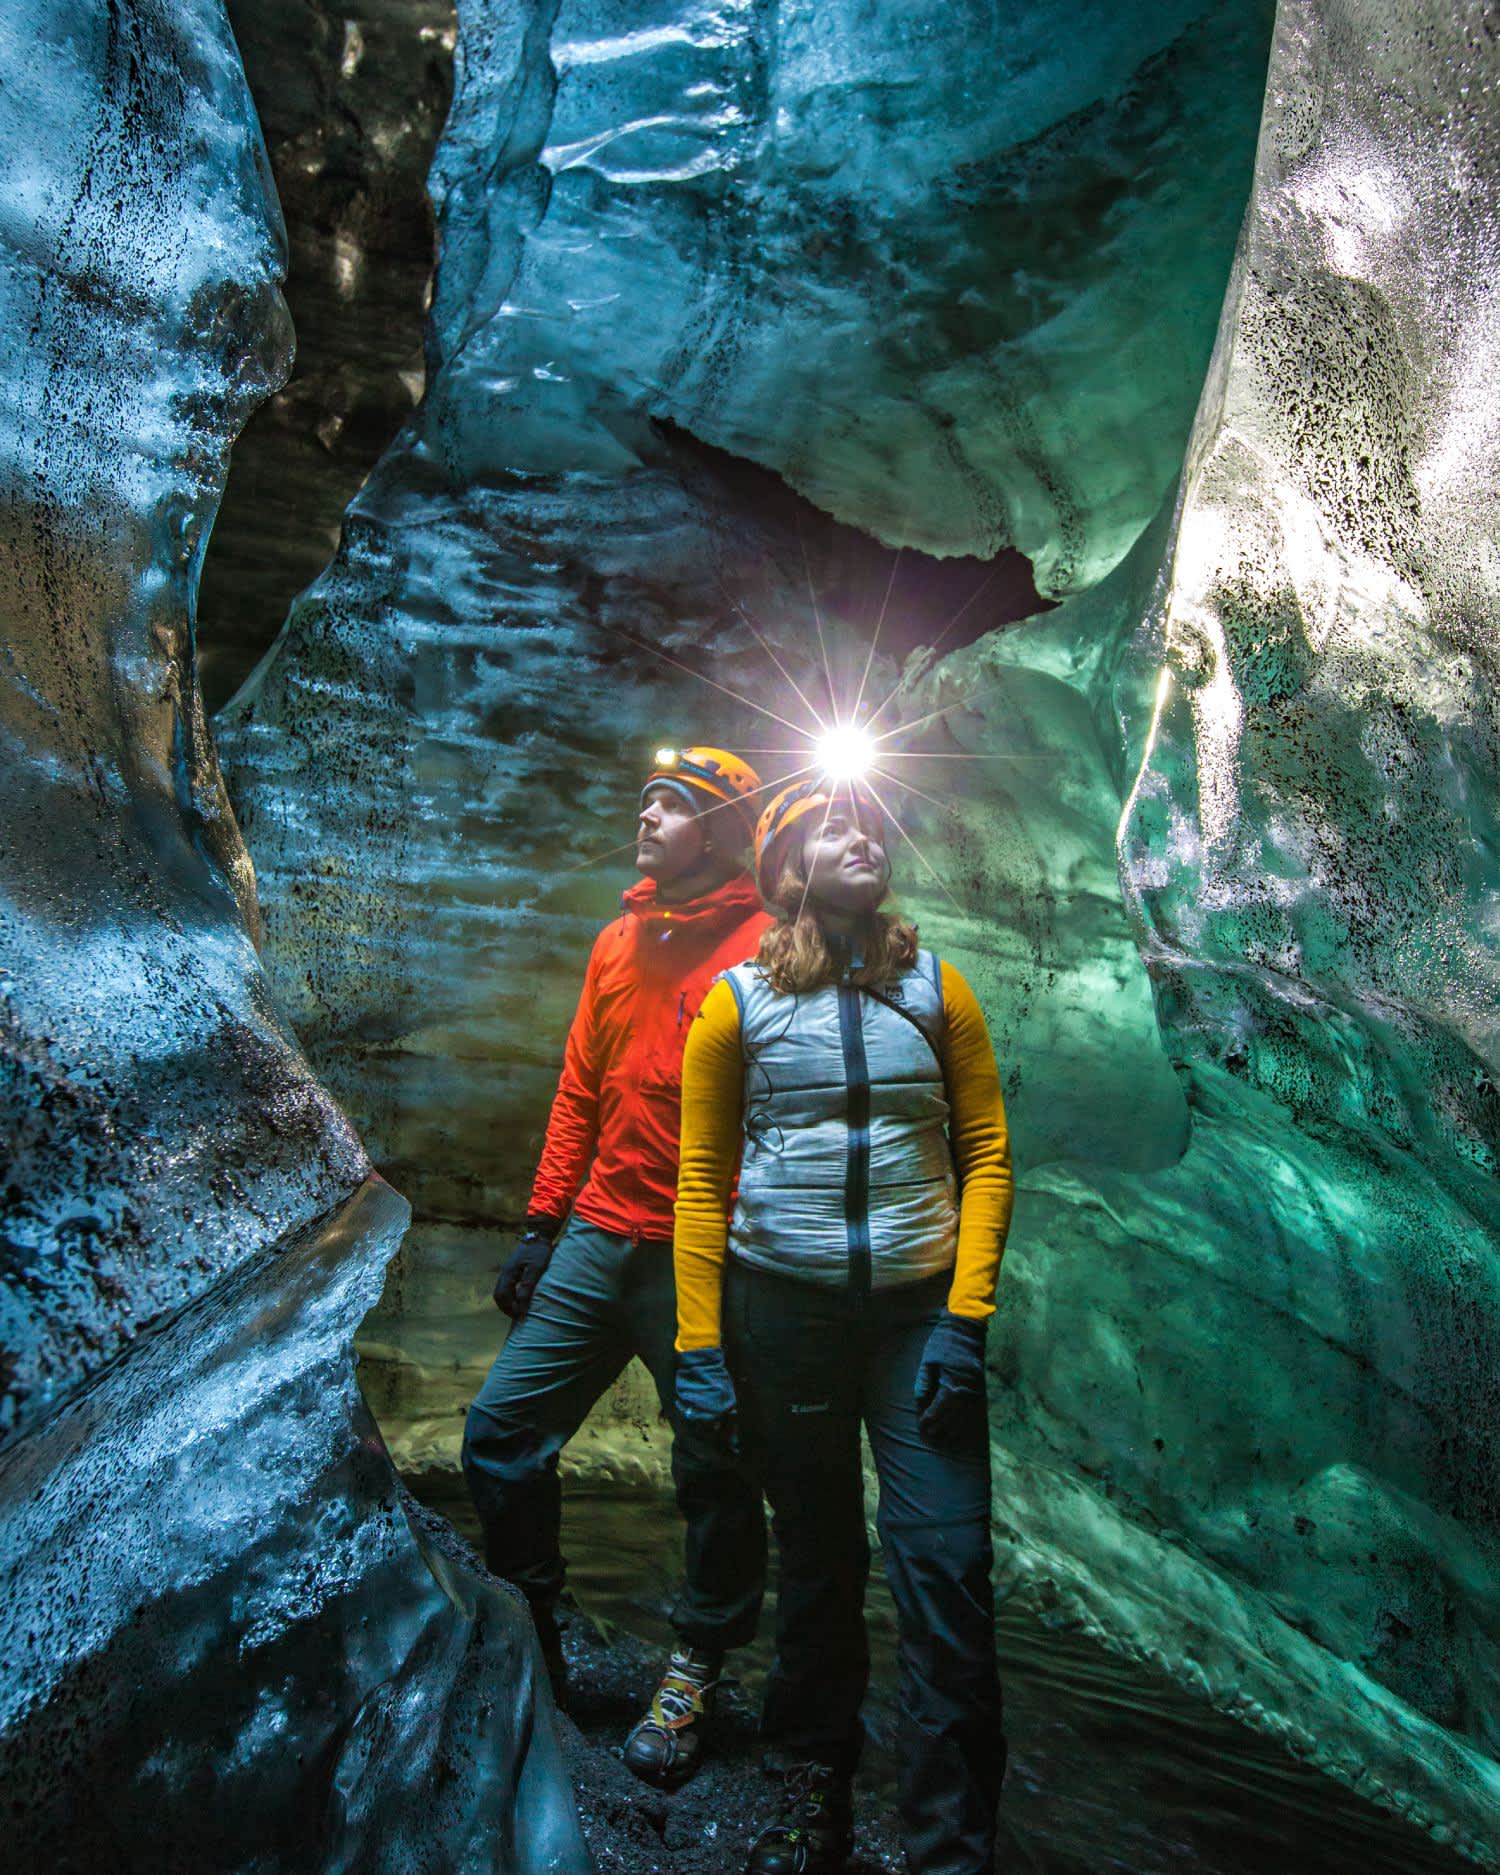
[857, 1159]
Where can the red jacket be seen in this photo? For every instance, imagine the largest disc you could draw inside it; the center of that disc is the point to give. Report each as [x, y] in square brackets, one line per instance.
[618, 1101]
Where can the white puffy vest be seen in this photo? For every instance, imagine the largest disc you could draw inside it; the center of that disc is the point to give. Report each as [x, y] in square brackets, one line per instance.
[847, 1176]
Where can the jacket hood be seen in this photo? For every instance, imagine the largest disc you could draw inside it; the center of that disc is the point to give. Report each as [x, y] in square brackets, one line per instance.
[727, 905]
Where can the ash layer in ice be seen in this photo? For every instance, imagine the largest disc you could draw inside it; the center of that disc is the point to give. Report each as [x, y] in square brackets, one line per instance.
[1245, 1416]
[222, 1645]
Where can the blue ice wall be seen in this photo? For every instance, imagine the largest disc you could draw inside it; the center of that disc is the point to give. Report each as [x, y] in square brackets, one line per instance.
[955, 278]
[446, 734]
[223, 1646]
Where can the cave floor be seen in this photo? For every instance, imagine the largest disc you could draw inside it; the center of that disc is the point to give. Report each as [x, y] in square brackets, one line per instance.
[1113, 1769]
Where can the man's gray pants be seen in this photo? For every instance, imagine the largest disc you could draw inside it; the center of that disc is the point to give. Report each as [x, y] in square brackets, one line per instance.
[601, 1300]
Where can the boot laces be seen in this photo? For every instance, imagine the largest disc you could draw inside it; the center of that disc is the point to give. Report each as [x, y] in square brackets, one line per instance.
[807, 1786]
[679, 1698]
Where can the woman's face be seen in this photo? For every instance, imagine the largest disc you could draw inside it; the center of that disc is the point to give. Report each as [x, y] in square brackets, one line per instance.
[844, 860]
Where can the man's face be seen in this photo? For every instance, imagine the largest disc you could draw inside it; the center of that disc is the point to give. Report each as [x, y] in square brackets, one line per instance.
[669, 840]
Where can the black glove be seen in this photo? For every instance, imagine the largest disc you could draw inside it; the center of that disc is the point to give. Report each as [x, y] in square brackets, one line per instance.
[950, 1380]
[522, 1270]
[705, 1396]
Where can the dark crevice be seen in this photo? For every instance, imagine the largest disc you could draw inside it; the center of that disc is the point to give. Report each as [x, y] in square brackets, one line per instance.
[958, 599]
[352, 99]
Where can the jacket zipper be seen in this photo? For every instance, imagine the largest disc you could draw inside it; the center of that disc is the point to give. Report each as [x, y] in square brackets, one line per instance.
[857, 1159]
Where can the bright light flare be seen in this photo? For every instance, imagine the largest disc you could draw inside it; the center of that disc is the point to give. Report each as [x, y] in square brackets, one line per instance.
[845, 752]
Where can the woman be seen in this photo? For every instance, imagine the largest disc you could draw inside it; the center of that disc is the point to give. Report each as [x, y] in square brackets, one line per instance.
[851, 1077]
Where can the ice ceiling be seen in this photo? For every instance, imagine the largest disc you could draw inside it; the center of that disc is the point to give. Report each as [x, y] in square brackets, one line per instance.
[729, 302]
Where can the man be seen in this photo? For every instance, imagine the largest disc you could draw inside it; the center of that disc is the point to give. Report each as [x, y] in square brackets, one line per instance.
[584, 1302]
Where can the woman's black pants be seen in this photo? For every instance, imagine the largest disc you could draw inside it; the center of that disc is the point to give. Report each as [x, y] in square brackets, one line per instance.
[810, 1364]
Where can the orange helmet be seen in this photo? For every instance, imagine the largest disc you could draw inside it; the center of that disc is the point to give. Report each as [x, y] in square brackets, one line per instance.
[723, 777]
[785, 809]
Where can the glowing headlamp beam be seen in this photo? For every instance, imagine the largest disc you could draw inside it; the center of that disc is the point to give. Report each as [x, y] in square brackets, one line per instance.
[845, 752]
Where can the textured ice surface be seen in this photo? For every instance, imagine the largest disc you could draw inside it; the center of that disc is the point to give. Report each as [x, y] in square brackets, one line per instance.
[223, 1648]
[167, 1126]
[953, 273]
[1271, 1366]
[1246, 1413]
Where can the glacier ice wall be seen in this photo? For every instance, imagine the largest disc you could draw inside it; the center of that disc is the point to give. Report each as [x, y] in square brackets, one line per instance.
[1220, 855]
[954, 278]
[223, 1646]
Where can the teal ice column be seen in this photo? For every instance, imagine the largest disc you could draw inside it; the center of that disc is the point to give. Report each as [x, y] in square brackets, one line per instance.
[1247, 1416]
[224, 1643]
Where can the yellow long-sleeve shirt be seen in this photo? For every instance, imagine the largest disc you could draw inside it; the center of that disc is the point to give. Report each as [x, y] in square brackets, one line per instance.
[712, 1096]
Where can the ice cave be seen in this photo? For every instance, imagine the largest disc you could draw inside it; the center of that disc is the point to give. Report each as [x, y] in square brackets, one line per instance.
[413, 416]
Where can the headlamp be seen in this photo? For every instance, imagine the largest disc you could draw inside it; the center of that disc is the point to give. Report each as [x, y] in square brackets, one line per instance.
[846, 752]
[675, 762]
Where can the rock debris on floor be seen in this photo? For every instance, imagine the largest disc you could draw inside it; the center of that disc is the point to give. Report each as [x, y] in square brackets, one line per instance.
[706, 1827]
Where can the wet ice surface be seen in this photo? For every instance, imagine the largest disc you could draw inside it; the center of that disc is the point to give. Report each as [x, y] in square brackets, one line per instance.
[1113, 1770]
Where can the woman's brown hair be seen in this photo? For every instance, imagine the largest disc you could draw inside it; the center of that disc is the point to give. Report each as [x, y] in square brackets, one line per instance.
[795, 953]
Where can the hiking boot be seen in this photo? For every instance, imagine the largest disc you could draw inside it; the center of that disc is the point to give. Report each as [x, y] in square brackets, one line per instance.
[815, 1831]
[665, 1747]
